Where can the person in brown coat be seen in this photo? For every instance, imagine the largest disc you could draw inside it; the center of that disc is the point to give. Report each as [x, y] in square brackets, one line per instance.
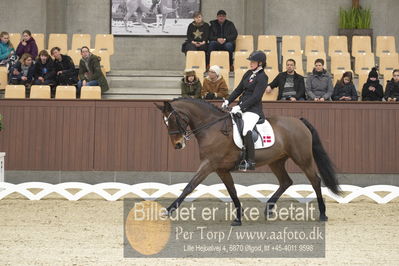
[214, 86]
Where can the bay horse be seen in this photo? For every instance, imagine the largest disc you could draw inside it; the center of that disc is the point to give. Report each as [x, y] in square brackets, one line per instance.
[294, 138]
[141, 6]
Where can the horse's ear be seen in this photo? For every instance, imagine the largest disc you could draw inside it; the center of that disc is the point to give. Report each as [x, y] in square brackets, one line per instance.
[167, 106]
[160, 107]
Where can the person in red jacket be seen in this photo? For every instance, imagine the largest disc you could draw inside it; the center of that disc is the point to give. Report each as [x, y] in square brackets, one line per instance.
[27, 45]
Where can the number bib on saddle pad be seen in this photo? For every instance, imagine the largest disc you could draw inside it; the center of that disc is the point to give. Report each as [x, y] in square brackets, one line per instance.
[265, 140]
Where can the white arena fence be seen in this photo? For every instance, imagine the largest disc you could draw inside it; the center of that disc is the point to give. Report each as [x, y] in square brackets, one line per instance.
[217, 191]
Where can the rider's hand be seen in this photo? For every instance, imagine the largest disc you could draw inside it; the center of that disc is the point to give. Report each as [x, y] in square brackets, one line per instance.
[225, 104]
[268, 89]
[236, 109]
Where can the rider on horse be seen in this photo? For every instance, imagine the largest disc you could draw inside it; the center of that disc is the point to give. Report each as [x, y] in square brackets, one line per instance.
[155, 3]
[251, 89]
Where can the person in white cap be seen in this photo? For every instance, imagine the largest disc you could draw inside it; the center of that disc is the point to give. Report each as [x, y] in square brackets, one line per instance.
[251, 89]
[214, 86]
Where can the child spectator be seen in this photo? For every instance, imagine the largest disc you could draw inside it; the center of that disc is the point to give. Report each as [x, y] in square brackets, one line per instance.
[344, 90]
[392, 89]
[197, 36]
[22, 72]
[215, 86]
[27, 45]
[190, 85]
[44, 69]
[372, 89]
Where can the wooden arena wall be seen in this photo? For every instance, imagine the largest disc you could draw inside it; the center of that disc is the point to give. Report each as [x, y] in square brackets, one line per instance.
[122, 135]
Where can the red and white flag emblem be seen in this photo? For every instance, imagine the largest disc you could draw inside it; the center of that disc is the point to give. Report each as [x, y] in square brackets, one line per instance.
[267, 139]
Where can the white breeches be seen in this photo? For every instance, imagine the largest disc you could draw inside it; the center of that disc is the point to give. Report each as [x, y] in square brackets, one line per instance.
[250, 120]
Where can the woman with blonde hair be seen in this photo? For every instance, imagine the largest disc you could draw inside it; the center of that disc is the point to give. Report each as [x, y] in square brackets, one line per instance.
[22, 72]
[7, 51]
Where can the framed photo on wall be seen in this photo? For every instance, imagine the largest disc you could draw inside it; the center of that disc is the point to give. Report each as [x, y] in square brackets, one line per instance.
[152, 17]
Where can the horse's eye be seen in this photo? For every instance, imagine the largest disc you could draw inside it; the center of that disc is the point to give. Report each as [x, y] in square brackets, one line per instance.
[166, 121]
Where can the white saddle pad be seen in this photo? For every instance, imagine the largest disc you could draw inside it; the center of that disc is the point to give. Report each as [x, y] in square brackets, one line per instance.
[265, 140]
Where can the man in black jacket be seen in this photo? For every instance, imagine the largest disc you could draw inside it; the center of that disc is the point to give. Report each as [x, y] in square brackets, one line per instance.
[64, 68]
[291, 85]
[222, 35]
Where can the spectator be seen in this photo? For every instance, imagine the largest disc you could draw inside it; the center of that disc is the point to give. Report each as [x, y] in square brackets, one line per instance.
[90, 73]
[344, 90]
[27, 45]
[64, 68]
[372, 89]
[291, 85]
[190, 85]
[215, 86]
[22, 72]
[44, 69]
[197, 36]
[222, 35]
[7, 51]
[319, 85]
[392, 89]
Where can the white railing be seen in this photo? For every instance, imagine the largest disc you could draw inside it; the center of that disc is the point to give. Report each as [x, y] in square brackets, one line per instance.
[217, 191]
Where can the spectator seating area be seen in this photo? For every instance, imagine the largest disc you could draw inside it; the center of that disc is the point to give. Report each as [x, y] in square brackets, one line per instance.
[340, 58]
[103, 47]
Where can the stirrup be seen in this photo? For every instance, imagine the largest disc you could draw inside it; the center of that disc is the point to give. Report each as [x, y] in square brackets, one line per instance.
[246, 165]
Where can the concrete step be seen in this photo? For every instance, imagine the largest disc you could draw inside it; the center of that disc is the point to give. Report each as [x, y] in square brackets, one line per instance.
[140, 97]
[144, 73]
[143, 82]
[143, 91]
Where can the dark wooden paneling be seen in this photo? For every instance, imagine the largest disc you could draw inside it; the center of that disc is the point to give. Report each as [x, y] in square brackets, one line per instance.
[130, 136]
[47, 135]
[119, 135]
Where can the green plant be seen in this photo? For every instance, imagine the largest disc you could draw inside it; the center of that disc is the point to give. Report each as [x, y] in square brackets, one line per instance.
[355, 18]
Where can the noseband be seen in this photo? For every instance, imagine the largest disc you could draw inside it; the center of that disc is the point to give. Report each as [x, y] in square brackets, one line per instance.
[180, 128]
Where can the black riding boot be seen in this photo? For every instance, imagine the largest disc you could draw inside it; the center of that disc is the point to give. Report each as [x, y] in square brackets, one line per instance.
[249, 158]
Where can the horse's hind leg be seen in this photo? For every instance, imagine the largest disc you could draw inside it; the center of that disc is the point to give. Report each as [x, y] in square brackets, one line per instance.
[306, 164]
[229, 183]
[278, 168]
[314, 179]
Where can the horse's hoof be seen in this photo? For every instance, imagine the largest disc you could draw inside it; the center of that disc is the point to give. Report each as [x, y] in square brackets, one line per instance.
[175, 21]
[323, 218]
[236, 222]
[148, 30]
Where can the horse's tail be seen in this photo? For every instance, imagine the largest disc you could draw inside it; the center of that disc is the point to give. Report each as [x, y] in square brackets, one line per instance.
[323, 162]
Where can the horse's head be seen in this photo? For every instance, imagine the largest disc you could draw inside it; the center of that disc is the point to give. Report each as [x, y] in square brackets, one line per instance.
[176, 123]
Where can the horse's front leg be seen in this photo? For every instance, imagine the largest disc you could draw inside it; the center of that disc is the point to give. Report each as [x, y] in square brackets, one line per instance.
[126, 19]
[177, 16]
[164, 16]
[140, 20]
[204, 170]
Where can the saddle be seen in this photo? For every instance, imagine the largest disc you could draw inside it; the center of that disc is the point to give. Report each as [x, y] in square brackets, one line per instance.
[262, 134]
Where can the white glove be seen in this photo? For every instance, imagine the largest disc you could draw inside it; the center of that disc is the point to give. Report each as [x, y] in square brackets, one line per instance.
[225, 104]
[236, 109]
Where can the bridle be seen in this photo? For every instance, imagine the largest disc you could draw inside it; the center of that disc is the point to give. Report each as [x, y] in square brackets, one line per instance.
[182, 129]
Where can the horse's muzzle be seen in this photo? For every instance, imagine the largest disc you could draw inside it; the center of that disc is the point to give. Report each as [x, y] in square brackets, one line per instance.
[178, 146]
